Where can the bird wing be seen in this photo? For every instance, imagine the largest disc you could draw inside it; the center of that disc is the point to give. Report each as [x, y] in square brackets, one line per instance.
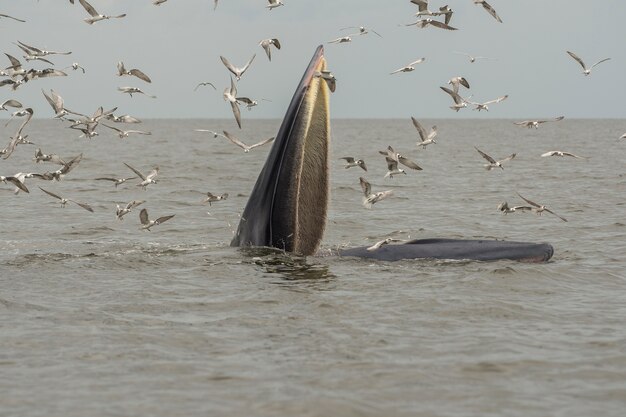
[245, 67]
[139, 74]
[15, 63]
[551, 212]
[491, 11]
[121, 70]
[497, 100]
[574, 156]
[419, 61]
[484, 155]
[348, 159]
[441, 25]
[508, 158]
[19, 184]
[420, 129]
[577, 58]
[50, 194]
[392, 165]
[83, 205]
[228, 65]
[134, 204]
[549, 153]
[89, 8]
[599, 62]
[153, 174]
[365, 186]
[163, 219]
[408, 163]
[532, 203]
[236, 141]
[263, 142]
[455, 96]
[236, 112]
[143, 217]
[139, 174]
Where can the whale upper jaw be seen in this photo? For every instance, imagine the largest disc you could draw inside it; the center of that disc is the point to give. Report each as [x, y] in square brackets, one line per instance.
[288, 205]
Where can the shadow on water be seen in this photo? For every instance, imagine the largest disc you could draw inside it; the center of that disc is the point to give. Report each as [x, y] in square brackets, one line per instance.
[293, 269]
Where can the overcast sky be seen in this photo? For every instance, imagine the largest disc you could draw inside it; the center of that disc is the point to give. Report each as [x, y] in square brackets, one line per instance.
[178, 45]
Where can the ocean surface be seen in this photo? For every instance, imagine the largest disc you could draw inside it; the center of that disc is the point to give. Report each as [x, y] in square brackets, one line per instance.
[100, 318]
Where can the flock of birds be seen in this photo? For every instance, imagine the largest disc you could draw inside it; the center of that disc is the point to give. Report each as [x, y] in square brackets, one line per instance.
[16, 75]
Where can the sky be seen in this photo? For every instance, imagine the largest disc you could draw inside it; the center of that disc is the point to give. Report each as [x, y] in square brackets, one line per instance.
[179, 43]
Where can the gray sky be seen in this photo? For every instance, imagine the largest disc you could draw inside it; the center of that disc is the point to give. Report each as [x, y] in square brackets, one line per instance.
[178, 44]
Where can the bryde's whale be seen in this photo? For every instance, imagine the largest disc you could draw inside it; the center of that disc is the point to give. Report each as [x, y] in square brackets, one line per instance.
[288, 205]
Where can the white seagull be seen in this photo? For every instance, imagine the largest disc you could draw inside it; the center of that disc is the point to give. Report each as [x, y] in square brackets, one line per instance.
[586, 70]
[238, 72]
[409, 67]
[95, 16]
[246, 148]
[370, 198]
[492, 162]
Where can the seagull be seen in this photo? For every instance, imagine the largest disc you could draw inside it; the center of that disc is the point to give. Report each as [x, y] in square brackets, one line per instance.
[489, 9]
[61, 172]
[158, 2]
[40, 52]
[426, 138]
[472, 58]
[446, 12]
[147, 223]
[215, 134]
[11, 17]
[456, 82]
[15, 181]
[392, 168]
[249, 102]
[540, 208]
[204, 84]
[11, 103]
[586, 70]
[41, 157]
[370, 198]
[121, 70]
[536, 123]
[115, 181]
[33, 74]
[459, 102]
[506, 209]
[396, 157]
[623, 136]
[274, 4]
[146, 179]
[230, 95]
[75, 66]
[492, 162]
[485, 105]
[95, 16]
[422, 23]
[20, 177]
[133, 90]
[65, 200]
[246, 148]
[125, 118]
[422, 7]
[58, 105]
[562, 154]
[238, 72]
[211, 198]
[383, 242]
[351, 162]
[343, 39]
[125, 133]
[120, 212]
[15, 69]
[266, 43]
[362, 30]
[330, 79]
[18, 138]
[409, 67]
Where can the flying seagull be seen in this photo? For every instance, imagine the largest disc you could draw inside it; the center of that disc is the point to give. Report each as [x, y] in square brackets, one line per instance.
[146, 223]
[459, 102]
[230, 95]
[362, 30]
[472, 58]
[562, 154]
[202, 84]
[211, 198]
[492, 162]
[274, 4]
[95, 16]
[390, 153]
[133, 90]
[426, 138]
[120, 212]
[485, 105]
[65, 200]
[536, 123]
[422, 23]
[266, 43]
[238, 72]
[409, 67]
[121, 70]
[351, 162]
[586, 70]
[246, 148]
[370, 198]
[146, 179]
[506, 209]
[115, 181]
[540, 208]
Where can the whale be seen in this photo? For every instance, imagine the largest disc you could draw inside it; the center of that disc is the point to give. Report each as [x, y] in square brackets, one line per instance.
[288, 205]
